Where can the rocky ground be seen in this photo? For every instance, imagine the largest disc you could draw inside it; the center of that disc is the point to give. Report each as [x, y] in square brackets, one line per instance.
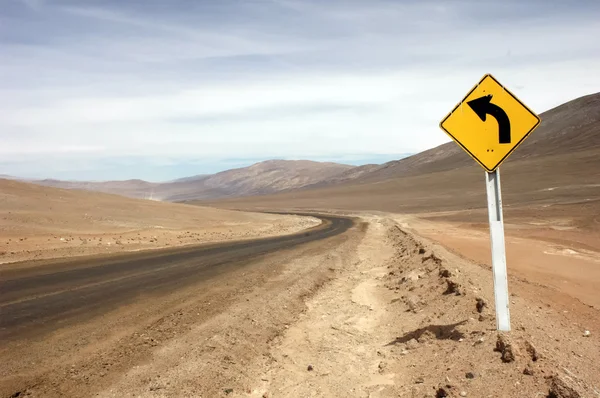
[408, 318]
[377, 312]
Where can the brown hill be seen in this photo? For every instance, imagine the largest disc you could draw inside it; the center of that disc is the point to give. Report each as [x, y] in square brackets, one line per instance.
[261, 178]
[571, 127]
[557, 164]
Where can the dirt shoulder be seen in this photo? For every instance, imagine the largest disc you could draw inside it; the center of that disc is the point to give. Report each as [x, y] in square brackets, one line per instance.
[40, 222]
[410, 318]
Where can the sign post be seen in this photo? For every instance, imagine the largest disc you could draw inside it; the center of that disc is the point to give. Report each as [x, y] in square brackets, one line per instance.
[494, 199]
[489, 141]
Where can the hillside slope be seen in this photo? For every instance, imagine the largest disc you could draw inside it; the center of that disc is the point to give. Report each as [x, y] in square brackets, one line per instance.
[570, 127]
[557, 164]
[261, 178]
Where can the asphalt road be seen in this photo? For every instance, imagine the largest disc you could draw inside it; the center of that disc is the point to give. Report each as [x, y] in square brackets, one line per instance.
[45, 294]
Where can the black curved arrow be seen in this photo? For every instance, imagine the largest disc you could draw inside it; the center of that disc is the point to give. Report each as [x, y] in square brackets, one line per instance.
[482, 107]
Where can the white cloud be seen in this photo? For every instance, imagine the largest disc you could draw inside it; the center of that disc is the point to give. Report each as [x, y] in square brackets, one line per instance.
[274, 79]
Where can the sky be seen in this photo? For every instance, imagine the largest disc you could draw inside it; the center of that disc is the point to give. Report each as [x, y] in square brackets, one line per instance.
[112, 89]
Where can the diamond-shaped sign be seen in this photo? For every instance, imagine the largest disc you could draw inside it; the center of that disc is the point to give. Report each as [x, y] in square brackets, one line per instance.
[489, 123]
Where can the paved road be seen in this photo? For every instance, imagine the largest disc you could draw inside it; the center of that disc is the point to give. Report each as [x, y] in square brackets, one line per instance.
[50, 292]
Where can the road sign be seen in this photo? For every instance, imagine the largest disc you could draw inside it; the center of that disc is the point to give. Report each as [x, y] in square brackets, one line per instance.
[489, 123]
[490, 140]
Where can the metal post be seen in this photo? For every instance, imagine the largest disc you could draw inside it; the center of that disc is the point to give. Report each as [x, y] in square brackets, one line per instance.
[494, 197]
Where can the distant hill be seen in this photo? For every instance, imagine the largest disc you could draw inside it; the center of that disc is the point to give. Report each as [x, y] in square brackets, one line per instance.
[130, 188]
[558, 163]
[570, 127]
[566, 130]
[261, 178]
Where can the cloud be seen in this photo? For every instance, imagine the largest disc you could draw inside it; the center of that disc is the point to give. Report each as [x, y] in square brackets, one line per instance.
[35, 5]
[269, 78]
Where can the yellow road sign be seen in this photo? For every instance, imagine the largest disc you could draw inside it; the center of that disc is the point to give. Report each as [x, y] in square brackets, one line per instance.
[489, 123]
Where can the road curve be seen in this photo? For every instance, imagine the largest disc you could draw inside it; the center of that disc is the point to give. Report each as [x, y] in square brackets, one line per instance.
[46, 293]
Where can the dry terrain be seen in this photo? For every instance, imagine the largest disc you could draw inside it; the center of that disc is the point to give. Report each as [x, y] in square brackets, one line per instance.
[551, 193]
[558, 163]
[39, 222]
[376, 312]
[551, 197]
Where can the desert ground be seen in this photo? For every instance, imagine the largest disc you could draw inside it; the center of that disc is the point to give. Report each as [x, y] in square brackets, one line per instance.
[41, 223]
[379, 311]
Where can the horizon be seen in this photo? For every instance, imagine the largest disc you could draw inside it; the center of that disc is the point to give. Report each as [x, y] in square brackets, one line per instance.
[233, 164]
[106, 90]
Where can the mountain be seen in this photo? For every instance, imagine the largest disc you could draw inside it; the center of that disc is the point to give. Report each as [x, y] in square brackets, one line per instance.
[570, 127]
[559, 162]
[565, 148]
[261, 178]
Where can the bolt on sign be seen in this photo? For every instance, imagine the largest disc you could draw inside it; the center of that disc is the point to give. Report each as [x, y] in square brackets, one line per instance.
[489, 124]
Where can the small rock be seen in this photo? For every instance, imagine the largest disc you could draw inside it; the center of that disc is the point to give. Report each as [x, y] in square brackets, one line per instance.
[444, 273]
[530, 348]
[435, 259]
[504, 346]
[560, 389]
[426, 336]
[481, 304]
[452, 287]
[470, 375]
[587, 333]
[421, 250]
[482, 318]
[463, 394]
[412, 344]
[228, 391]
[528, 370]
[310, 368]
[413, 276]
[266, 395]
[412, 303]
[441, 393]
[419, 380]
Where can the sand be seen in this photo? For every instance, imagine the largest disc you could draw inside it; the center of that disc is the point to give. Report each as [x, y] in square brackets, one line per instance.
[39, 222]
